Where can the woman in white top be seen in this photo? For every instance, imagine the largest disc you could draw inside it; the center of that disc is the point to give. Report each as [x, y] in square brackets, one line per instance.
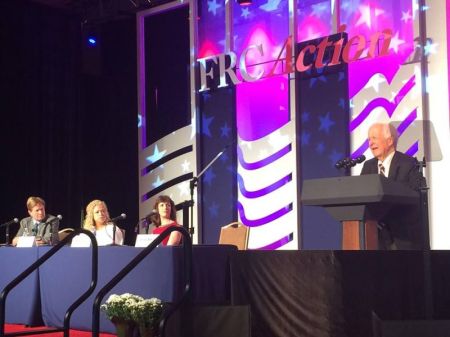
[97, 221]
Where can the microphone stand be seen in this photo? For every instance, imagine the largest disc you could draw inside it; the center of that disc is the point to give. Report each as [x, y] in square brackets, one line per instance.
[6, 225]
[120, 217]
[7, 236]
[423, 199]
[193, 183]
[114, 234]
[6, 244]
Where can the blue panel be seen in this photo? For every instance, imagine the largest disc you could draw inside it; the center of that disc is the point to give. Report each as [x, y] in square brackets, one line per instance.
[218, 184]
[323, 139]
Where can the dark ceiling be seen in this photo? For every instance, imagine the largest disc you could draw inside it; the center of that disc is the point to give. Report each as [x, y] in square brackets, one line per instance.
[101, 10]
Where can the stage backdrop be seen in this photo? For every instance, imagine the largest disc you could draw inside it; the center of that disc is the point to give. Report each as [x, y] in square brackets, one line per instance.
[397, 68]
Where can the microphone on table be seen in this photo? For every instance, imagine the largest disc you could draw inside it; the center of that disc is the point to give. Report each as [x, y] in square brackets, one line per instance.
[10, 222]
[7, 224]
[149, 221]
[49, 222]
[145, 221]
[118, 218]
[58, 217]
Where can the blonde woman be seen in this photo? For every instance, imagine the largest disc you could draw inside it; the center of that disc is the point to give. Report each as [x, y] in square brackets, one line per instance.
[97, 221]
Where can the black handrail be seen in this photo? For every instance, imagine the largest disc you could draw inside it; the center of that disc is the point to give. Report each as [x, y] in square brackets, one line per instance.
[187, 247]
[37, 264]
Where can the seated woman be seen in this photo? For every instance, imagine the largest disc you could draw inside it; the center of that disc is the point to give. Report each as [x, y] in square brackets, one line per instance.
[97, 221]
[164, 218]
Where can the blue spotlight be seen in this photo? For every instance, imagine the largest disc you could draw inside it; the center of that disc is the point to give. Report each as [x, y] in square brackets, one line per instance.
[92, 41]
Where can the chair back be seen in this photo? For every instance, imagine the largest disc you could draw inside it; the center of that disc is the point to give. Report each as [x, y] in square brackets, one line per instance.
[234, 234]
[64, 232]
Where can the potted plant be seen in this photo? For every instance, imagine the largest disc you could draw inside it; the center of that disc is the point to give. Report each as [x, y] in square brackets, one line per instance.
[147, 315]
[119, 308]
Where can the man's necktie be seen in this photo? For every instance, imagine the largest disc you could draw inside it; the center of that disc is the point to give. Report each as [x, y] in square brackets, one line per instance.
[381, 169]
[34, 230]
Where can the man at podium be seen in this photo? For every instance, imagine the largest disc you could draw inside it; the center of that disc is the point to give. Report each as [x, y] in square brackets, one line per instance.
[401, 227]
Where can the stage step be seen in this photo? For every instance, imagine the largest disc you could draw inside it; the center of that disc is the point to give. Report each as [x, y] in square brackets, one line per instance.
[212, 321]
[410, 328]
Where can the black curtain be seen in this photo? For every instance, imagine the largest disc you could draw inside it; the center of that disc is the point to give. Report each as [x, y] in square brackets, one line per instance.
[332, 293]
[66, 135]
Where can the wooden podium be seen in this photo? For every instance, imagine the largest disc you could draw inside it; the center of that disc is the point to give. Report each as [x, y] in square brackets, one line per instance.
[357, 202]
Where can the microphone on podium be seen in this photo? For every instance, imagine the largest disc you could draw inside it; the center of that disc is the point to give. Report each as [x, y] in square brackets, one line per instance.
[349, 162]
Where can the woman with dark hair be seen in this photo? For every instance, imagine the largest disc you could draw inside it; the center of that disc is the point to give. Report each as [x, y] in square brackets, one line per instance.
[165, 217]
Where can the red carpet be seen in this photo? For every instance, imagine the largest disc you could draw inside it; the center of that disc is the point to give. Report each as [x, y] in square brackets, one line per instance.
[73, 333]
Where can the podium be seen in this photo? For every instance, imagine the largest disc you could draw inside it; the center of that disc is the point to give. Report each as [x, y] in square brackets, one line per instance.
[358, 202]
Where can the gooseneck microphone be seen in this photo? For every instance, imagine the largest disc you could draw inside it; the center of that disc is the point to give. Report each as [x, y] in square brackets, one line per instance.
[58, 217]
[145, 222]
[118, 218]
[10, 222]
[349, 162]
[7, 224]
[49, 222]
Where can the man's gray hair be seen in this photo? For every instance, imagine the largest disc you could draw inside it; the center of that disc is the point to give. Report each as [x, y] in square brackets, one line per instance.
[391, 131]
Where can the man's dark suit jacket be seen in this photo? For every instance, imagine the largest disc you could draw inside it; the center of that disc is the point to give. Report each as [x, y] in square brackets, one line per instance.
[401, 227]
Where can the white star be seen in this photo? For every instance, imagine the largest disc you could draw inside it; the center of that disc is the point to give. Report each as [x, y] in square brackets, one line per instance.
[185, 166]
[213, 6]
[378, 12]
[248, 144]
[393, 94]
[430, 48]
[406, 16]
[245, 12]
[277, 140]
[395, 42]
[157, 155]
[184, 188]
[374, 82]
[270, 6]
[319, 9]
[365, 16]
[158, 182]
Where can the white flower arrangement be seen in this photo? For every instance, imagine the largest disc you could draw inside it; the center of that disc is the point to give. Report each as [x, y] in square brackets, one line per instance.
[148, 312]
[120, 306]
[129, 307]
